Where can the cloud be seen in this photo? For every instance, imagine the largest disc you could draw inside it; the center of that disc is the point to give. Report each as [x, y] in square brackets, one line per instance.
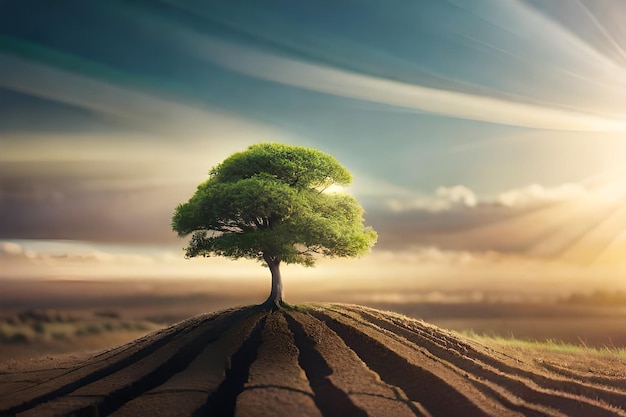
[98, 215]
[535, 194]
[60, 254]
[140, 109]
[421, 255]
[11, 249]
[445, 198]
[580, 223]
[344, 83]
[460, 197]
[98, 257]
[65, 259]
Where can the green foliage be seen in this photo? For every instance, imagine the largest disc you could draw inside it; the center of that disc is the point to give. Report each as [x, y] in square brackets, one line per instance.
[267, 203]
[294, 166]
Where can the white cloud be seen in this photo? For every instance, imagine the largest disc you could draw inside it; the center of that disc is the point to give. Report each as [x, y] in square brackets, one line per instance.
[426, 255]
[343, 83]
[150, 111]
[458, 195]
[462, 197]
[578, 223]
[61, 255]
[536, 193]
[444, 199]
[107, 257]
[11, 249]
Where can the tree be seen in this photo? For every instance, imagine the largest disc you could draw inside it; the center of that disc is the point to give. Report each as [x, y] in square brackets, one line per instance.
[269, 203]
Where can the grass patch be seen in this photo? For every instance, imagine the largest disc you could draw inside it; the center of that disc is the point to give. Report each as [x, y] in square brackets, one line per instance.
[301, 308]
[550, 345]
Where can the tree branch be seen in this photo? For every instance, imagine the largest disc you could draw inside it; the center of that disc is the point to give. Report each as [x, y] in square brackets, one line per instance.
[311, 249]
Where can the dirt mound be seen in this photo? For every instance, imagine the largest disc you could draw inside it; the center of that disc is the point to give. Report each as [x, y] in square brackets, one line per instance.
[316, 360]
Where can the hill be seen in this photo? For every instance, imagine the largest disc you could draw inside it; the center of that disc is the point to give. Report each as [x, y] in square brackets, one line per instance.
[312, 360]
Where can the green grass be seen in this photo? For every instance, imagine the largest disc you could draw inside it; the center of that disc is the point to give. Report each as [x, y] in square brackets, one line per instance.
[550, 345]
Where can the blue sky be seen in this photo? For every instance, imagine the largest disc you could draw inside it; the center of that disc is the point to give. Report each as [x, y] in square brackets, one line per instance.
[474, 129]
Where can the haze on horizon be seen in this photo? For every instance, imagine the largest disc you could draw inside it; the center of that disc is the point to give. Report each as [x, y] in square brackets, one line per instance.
[487, 139]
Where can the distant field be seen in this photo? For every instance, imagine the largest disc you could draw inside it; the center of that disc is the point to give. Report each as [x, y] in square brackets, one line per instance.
[594, 332]
[98, 315]
[36, 333]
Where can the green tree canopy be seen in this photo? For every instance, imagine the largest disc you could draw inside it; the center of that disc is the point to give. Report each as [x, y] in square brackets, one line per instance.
[268, 203]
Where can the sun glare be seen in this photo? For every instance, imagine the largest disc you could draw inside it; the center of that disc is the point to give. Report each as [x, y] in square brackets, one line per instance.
[615, 190]
[335, 189]
[601, 241]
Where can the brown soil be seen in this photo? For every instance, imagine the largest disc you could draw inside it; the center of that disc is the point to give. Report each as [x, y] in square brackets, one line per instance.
[316, 360]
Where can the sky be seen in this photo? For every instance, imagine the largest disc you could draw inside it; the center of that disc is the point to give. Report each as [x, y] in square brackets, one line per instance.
[487, 139]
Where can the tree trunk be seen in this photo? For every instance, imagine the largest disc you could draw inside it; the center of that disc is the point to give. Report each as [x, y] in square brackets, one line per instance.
[275, 300]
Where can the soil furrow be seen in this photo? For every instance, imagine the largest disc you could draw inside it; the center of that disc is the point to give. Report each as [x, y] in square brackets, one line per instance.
[330, 400]
[88, 373]
[190, 387]
[221, 402]
[335, 360]
[363, 386]
[276, 386]
[111, 392]
[512, 401]
[606, 381]
[569, 397]
[497, 393]
[468, 353]
[606, 389]
[439, 396]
